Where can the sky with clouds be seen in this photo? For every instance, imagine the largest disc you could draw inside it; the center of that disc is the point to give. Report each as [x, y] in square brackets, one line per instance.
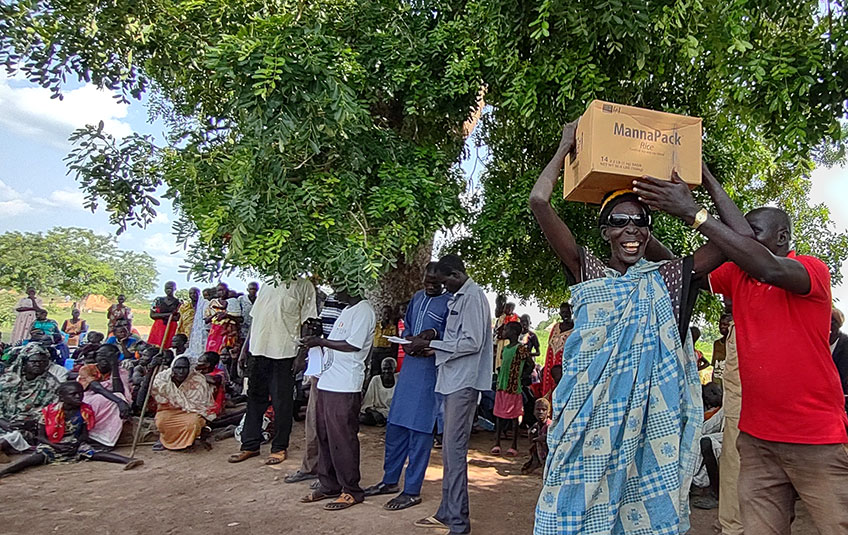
[36, 193]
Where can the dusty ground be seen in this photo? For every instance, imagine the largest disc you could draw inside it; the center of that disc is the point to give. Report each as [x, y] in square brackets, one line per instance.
[201, 493]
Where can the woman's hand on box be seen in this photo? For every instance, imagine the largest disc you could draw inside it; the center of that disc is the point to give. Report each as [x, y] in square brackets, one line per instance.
[566, 144]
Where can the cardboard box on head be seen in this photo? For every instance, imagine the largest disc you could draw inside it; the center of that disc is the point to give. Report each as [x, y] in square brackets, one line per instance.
[616, 144]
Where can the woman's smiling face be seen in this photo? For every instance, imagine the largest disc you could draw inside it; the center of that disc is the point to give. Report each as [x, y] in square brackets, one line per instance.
[627, 243]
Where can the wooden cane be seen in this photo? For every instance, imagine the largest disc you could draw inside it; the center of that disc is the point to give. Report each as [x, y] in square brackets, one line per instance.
[150, 388]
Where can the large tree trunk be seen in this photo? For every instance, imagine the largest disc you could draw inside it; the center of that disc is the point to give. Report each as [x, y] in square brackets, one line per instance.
[400, 284]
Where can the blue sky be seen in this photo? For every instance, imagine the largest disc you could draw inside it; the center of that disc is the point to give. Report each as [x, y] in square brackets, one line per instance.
[36, 194]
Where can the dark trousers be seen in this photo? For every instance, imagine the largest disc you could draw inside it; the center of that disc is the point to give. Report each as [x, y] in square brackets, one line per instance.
[403, 443]
[270, 382]
[338, 443]
[459, 407]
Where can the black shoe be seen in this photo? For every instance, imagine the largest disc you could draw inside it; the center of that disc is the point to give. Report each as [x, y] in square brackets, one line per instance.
[381, 488]
[298, 476]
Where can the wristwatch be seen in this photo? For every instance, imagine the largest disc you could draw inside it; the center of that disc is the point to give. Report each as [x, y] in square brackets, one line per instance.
[700, 218]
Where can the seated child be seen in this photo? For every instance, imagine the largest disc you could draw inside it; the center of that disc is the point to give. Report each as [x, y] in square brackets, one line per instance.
[93, 341]
[63, 432]
[538, 437]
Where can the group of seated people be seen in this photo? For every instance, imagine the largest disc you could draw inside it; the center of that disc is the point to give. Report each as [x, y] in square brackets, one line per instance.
[59, 413]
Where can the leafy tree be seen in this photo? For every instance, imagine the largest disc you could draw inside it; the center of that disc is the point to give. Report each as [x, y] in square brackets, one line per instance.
[73, 261]
[322, 137]
[768, 78]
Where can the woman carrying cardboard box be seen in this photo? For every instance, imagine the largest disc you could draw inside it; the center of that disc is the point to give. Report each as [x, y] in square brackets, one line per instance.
[627, 411]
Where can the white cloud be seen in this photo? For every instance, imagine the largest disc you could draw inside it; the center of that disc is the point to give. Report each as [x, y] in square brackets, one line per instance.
[159, 243]
[161, 219]
[12, 203]
[29, 110]
[14, 207]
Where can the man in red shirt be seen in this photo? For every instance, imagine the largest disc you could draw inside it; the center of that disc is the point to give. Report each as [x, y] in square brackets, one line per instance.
[793, 422]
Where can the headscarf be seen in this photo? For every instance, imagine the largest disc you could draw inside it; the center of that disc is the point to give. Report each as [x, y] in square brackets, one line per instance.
[22, 399]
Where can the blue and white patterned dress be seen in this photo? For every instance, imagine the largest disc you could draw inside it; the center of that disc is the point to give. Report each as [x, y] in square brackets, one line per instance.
[627, 412]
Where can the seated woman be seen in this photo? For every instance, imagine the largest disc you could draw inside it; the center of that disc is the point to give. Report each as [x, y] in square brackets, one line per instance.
[107, 390]
[25, 389]
[378, 397]
[184, 400]
[74, 328]
[51, 329]
[63, 433]
[627, 411]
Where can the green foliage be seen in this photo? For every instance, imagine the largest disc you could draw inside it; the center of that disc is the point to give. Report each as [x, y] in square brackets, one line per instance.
[312, 138]
[768, 78]
[322, 137]
[75, 262]
[8, 302]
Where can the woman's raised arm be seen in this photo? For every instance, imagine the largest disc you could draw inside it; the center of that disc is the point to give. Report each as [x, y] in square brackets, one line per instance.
[556, 231]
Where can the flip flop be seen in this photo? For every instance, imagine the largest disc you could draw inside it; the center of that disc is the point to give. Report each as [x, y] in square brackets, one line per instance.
[342, 502]
[511, 453]
[496, 450]
[430, 522]
[133, 464]
[404, 501]
[158, 446]
[381, 488]
[276, 457]
[317, 496]
[242, 456]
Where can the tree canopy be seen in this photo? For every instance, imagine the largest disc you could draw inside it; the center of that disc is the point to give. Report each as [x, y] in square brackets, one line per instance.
[323, 137]
[73, 261]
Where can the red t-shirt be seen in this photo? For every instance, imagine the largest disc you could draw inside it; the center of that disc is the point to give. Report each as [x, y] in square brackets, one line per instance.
[790, 387]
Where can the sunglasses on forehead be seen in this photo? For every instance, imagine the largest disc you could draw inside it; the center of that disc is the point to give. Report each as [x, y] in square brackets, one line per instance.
[622, 220]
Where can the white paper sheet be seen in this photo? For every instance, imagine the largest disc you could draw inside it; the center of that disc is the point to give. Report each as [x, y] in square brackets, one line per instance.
[396, 340]
[314, 357]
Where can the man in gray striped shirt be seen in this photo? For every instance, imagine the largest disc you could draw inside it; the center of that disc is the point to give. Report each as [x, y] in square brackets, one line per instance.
[464, 360]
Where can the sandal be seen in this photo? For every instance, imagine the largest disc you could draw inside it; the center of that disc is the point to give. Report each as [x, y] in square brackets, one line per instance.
[317, 496]
[158, 446]
[381, 488]
[430, 522]
[242, 456]
[511, 453]
[404, 501]
[342, 502]
[276, 457]
[133, 463]
[496, 450]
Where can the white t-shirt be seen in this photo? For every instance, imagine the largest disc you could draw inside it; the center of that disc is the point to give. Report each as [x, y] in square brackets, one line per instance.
[345, 372]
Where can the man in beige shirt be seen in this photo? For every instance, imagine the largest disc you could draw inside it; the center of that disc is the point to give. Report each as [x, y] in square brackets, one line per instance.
[728, 502]
[278, 314]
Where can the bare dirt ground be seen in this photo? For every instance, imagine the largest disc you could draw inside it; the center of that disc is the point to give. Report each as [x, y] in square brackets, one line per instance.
[199, 492]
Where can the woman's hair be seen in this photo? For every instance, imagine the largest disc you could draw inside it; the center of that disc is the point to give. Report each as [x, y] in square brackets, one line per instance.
[613, 199]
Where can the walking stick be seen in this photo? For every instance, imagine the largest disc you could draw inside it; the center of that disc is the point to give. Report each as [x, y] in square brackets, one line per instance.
[149, 389]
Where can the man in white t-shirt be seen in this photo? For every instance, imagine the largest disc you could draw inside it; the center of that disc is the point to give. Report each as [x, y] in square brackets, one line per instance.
[338, 404]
